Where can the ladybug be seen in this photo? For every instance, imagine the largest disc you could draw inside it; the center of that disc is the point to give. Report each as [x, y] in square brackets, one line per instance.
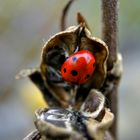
[78, 67]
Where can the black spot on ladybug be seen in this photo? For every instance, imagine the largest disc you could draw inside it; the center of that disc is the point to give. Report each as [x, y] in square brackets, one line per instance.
[64, 70]
[87, 76]
[74, 73]
[74, 59]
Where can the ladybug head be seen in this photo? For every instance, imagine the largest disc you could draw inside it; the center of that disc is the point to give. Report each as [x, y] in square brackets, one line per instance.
[79, 67]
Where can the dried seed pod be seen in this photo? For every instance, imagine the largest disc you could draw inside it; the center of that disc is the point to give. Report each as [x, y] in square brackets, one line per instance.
[58, 48]
[93, 106]
[68, 125]
[98, 130]
[73, 39]
[89, 123]
[57, 91]
[58, 124]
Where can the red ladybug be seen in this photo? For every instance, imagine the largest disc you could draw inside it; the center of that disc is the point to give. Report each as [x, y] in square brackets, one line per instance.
[79, 67]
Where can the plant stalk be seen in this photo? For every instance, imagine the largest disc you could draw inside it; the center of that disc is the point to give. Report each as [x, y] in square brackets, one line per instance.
[110, 36]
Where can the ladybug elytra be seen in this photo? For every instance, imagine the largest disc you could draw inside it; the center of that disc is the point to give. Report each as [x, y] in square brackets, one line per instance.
[79, 67]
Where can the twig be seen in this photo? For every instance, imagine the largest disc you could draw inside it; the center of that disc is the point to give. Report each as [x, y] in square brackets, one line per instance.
[110, 36]
[110, 29]
[64, 14]
[34, 135]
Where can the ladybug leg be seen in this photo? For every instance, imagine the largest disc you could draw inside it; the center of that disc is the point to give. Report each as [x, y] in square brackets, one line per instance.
[37, 79]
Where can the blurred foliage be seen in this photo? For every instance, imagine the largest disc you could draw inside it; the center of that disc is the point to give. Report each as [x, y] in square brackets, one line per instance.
[32, 98]
[25, 25]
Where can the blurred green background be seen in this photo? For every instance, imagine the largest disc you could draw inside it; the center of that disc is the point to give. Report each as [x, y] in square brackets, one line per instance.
[25, 25]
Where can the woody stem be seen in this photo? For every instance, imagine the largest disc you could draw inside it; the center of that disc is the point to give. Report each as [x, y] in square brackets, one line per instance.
[110, 36]
[64, 14]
